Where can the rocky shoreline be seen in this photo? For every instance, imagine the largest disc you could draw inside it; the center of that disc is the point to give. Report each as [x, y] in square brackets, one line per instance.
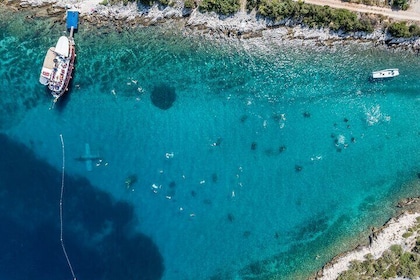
[240, 26]
[379, 240]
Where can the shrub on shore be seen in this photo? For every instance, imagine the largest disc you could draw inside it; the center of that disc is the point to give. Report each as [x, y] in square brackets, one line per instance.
[400, 4]
[402, 30]
[380, 3]
[224, 7]
[312, 15]
[189, 4]
[393, 262]
[252, 4]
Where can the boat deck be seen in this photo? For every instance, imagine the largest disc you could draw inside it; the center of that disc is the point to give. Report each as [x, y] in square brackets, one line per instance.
[63, 72]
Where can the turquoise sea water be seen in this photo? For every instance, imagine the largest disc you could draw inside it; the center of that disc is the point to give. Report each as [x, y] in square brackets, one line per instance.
[271, 160]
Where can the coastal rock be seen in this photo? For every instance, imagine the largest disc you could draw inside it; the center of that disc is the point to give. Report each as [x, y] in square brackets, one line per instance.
[408, 202]
[55, 11]
[24, 4]
[389, 234]
[240, 25]
[186, 12]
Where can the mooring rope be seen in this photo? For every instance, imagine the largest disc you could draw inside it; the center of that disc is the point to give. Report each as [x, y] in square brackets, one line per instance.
[52, 104]
[61, 211]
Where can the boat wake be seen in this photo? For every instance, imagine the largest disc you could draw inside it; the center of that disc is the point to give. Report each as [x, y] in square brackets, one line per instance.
[374, 115]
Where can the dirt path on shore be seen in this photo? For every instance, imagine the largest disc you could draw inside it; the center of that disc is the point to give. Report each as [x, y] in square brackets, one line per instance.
[243, 5]
[412, 14]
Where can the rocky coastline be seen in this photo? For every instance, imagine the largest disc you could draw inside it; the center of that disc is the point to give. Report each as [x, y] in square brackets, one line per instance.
[239, 26]
[379, 240]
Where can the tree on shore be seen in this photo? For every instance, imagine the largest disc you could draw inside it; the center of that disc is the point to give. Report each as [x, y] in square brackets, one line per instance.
[394, 262]
[312, 15]
[224, 7]
[402, 30]
[400, 4]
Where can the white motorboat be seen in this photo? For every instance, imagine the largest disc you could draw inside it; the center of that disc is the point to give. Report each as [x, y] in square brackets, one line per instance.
[386, 73]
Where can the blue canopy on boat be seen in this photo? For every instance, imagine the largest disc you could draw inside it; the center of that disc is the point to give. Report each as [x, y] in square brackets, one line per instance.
[72, 19]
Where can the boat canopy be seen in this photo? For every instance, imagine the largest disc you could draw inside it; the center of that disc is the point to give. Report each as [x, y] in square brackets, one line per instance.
[72, 19]
[63, 46]
[49, 58]
[47, 67]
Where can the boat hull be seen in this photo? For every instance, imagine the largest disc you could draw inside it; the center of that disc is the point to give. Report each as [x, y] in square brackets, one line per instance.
[58, 90]
[384, 74]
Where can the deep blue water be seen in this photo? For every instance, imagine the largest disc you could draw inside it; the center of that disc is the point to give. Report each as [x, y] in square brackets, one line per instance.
[99, 229]
[270, 160]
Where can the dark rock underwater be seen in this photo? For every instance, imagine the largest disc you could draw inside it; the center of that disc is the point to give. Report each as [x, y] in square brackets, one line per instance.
[98, 231]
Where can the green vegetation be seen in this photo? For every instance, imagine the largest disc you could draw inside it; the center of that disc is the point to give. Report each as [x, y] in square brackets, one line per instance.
[408, 233]
[402, 30]
[398, 29]
[414, 30]
[312, 15]
[252, 4]
[144, 2]
[224, 7]
[393, 262]
[367, 2]
[400, 4]
[189, 4]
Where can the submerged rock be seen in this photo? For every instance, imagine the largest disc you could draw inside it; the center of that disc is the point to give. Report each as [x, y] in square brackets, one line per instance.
[163, 96]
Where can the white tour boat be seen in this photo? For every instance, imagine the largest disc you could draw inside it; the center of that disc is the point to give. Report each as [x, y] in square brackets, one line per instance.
[58, 64]
[387, 73]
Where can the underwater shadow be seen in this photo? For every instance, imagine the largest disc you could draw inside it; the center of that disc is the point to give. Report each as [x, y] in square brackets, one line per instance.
[163, 96]
[61, 103]
[98, 231]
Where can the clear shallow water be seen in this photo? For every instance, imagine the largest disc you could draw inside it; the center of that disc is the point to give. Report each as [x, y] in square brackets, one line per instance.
[266, 160]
